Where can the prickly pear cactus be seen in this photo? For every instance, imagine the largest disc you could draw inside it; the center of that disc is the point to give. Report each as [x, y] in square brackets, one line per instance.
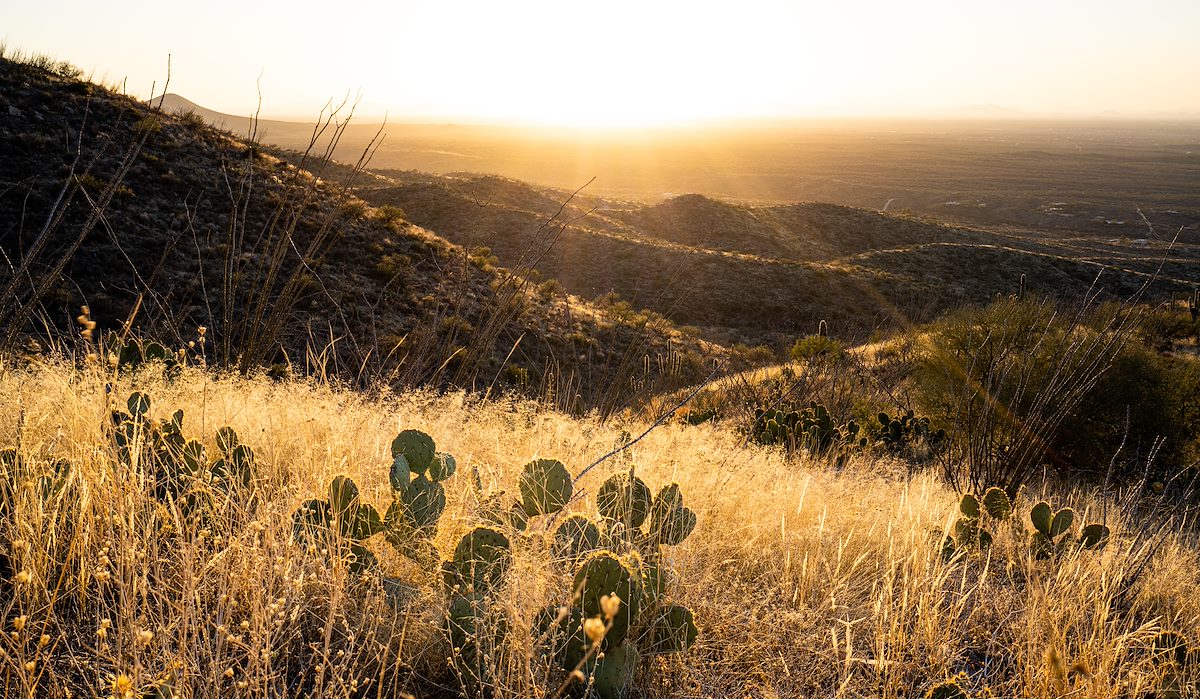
[546, 487]
[480, 562]
[575, 538]
[997, 504]
[423, 501]
[624, 499]
[946, 690]
[670, 521]
[417, 448]
[602, 575]
[969, 506]
[613, 676]
[671, 630]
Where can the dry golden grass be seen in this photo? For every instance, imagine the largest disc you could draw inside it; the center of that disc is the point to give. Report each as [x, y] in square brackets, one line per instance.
[805, 582]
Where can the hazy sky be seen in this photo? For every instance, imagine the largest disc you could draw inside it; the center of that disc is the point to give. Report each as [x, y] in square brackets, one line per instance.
[622, 62]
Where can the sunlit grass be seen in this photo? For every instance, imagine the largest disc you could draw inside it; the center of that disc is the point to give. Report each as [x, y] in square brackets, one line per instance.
[805, 581]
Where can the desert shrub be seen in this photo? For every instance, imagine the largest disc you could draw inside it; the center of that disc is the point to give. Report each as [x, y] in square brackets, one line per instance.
[812, 347]
[392, 215]
[1024, 384]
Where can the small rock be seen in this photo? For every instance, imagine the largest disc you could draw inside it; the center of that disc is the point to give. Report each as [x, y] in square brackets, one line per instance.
[14, 112]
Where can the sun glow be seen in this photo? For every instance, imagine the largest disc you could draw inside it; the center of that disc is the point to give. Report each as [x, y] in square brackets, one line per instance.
[634, 64]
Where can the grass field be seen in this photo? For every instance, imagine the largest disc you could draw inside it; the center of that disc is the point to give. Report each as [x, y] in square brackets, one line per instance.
[804, 580]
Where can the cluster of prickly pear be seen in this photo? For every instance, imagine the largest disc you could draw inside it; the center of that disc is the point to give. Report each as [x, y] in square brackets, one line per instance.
[134, 354]
[344, 521]
[946, 690]
[900, 432]
[176, 466]
[975, 515]
[1177, 662]
[618, 611]
[1052, 532]
[811, 429]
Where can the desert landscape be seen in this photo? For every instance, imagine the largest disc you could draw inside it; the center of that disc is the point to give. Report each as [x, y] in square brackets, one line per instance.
[632, 403]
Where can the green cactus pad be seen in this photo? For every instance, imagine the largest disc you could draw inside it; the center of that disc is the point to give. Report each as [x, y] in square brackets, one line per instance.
[227, 440]
[562, 636]
[670, 521]
[1040, 516]
[613, 676]
[442, 467]
[997, 504]
[399, 474]
[367, 523]
[424, 501]
[361, 560]
[672, 630]
[139, 404]
[545, 487]
[1041, 546]
[624, 500]
[966, 531]
[482, 557]
[343, 497]
[603, 574]
[1062, 522]
[655, 582]
[417, 447]
[969, 505]
[1094, 536]
[311, 521]
[575, 538]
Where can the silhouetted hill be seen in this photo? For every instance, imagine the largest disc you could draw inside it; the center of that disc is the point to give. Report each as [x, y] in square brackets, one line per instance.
[766, 273]
[170, 224]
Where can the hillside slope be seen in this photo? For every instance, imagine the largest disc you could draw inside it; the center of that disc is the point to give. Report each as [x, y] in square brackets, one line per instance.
[161, 219]
[745, 273]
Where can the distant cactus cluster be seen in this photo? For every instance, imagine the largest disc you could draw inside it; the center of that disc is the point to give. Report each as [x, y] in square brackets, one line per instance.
[1051, 536]
[132, 355]
[178, 467]
[906, 429]
[618, 610]
[811, 429]
[341, 522]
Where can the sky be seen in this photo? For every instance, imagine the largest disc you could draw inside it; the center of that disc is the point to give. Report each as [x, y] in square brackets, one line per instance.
[625, 63]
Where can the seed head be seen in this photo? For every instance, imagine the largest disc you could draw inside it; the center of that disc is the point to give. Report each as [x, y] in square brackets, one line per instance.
[594, 629]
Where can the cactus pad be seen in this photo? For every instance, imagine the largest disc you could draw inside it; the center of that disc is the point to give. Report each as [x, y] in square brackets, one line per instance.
[399, 474]
[946, 690]
[614, 672]
[997, 504]
[1041, 516]
[1094, 536]
[624, 499]
[575, 538]
[441, 467]
[969, 506]
[481, 558]
[545, 487]
[673, 630]
[670, 521]
[417, 448]
[424, 501]
[603, 574]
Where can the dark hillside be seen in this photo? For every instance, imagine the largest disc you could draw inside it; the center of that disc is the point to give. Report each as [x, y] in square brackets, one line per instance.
[157, 217]
[752, 274]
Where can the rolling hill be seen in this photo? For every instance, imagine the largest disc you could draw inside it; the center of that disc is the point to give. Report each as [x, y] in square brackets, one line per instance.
[162, 224]
[743, 273]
